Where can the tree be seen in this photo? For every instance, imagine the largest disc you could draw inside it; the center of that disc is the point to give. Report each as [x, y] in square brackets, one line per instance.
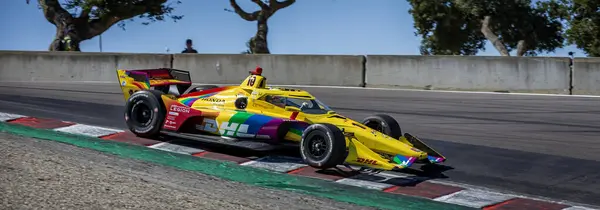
[96, 16]
[267, 10]
[462, 27]
[582, 18]
[249, 46]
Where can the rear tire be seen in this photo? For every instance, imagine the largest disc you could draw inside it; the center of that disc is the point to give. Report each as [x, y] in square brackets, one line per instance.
[323, 146]
[199, 88]
[385, 124]
[145, 113]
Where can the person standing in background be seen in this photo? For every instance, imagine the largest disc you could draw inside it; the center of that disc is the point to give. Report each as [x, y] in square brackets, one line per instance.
[189, 49]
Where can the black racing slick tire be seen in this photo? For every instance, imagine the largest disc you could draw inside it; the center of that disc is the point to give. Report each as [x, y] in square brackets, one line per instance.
[145, 113]
[323, 146]
[385, 124]
[199, 88]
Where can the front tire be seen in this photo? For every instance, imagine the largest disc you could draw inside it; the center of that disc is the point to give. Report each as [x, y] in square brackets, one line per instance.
[145, 113]
[385, 124]
[323, 146]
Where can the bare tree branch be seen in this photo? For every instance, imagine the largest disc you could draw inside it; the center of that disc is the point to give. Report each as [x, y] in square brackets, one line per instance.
[243, 14]
[262, 5]
[276, 5]
[85, 13]
[52, 10]
[489, 34]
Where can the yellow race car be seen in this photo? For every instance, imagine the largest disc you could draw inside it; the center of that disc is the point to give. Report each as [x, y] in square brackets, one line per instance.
[253, 115]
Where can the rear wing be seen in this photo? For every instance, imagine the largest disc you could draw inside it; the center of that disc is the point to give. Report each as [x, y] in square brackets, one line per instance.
[169, 81]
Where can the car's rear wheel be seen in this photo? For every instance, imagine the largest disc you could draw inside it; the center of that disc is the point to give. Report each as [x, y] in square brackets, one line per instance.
[323, 146]
[199, 88]
[385, 124]
[145, 113]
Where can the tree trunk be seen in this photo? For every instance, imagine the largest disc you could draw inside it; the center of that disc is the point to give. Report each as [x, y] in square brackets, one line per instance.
[260, 45]
[63, 31]
[489, 35]
[70, 30]
[521, 48]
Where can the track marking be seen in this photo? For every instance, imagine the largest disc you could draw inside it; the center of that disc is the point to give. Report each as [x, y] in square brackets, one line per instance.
[364, 184]
[88, 130]
[578, 208]
[276, 163]
[8, 116]
[474, 198]
[165, 146]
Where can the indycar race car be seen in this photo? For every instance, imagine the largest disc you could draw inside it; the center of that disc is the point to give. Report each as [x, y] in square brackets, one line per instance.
[253, 115]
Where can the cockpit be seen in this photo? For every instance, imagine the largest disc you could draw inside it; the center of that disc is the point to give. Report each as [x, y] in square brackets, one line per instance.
[308, 106]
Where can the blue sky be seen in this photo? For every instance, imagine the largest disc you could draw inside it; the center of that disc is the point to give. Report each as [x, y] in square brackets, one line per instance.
[348, 27]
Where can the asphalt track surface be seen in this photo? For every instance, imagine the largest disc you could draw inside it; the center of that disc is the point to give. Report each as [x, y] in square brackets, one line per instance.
[536, 145]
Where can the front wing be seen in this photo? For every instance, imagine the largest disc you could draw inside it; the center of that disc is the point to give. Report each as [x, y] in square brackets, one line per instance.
[359, 154]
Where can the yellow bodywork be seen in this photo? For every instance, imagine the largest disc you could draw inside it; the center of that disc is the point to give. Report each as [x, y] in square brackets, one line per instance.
[366, 147]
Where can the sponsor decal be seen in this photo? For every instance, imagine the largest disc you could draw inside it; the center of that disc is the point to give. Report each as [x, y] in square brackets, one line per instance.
[234, 129]
[209, 125]
[169, 122]
[180, 109]
[170, 117]
[366, 161]
[170, 126]
[174, 113]
[123, 83]
[215, 100]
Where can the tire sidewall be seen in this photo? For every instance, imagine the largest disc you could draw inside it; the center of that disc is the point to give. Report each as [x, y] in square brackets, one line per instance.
[148, 99]
[305, 145]
[387, 122]
[317, 129]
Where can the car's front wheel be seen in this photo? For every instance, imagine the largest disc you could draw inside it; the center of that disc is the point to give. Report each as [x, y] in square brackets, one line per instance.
[385, 124]
[323, 146]
[144, 113]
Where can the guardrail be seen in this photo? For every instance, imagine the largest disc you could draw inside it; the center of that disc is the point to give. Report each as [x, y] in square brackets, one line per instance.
[476, 73]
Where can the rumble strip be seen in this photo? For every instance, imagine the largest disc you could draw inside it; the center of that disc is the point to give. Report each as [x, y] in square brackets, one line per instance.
[404, 184]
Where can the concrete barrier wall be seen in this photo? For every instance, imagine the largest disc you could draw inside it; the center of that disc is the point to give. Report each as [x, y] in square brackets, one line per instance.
[514, 74]
[279, 69]
[67, 66]
[586, 76]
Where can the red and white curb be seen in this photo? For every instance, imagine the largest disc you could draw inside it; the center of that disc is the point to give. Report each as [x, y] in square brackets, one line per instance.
[404, 184]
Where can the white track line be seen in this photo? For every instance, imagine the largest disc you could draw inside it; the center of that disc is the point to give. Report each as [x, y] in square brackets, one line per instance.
[474, 198]
[165, 146]
[8, 116]
[88, 130]
[276, 163]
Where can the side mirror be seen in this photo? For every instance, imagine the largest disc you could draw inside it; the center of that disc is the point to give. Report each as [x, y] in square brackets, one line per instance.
[331, 112]
[241, 102]
[292, 109]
